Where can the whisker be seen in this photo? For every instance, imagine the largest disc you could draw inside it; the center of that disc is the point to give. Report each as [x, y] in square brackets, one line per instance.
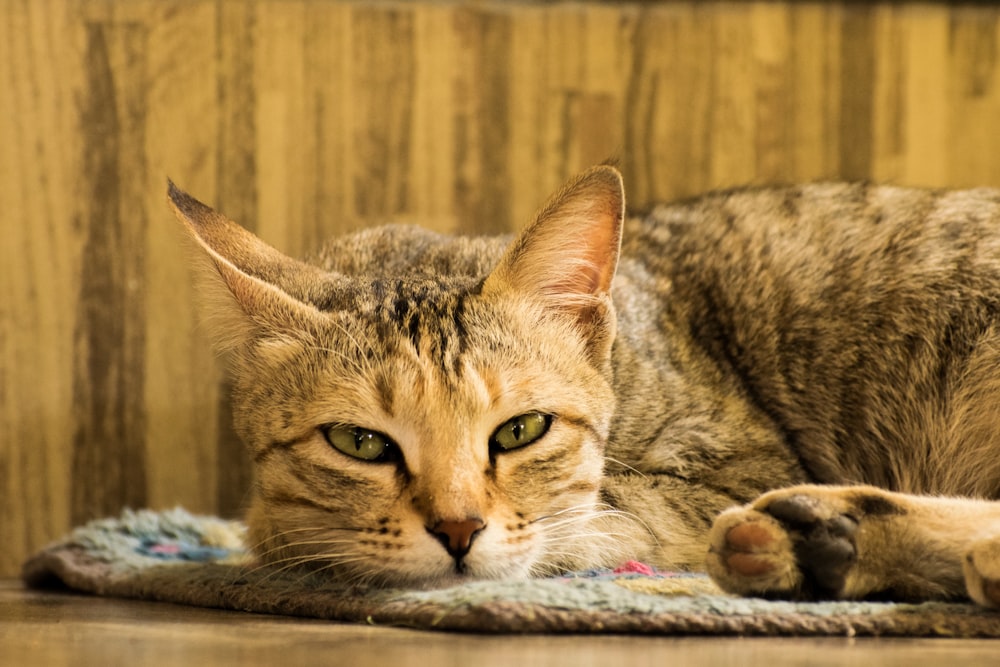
[593, 529]
[626, 466]
[336, 567]
[575, 508]
[293, 562]
[328, 553]
[277, 547]
[606, 511]
[327, 543]
[286, 532]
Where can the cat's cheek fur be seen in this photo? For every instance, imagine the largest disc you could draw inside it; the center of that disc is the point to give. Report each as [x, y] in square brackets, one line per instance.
[396, 553]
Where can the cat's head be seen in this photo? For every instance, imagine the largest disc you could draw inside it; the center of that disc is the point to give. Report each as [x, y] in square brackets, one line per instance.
[419, 427]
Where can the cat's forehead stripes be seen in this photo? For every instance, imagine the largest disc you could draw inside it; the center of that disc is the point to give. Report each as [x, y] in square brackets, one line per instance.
[403, 336]
[430, 314]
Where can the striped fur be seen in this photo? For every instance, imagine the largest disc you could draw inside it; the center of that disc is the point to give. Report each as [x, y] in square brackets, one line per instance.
[689, 360]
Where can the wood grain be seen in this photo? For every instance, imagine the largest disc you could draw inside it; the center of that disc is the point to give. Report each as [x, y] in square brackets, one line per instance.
[52, 628]
[302, 118]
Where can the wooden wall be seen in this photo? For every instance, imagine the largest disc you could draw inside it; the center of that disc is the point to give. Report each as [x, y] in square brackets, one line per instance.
[304, 117]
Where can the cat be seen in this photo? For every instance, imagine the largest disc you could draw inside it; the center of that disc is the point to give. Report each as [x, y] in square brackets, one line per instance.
[795, 388]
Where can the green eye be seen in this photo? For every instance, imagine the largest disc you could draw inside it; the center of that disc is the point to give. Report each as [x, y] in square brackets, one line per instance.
[520, 431]
[361, 443]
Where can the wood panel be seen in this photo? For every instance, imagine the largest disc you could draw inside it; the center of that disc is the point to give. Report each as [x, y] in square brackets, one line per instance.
[301, 118]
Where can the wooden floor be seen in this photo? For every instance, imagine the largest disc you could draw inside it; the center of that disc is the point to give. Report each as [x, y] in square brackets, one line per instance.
[66, 629]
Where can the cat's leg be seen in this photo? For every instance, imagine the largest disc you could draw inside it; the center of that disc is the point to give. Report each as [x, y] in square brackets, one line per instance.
[825, 542]
[982, 571]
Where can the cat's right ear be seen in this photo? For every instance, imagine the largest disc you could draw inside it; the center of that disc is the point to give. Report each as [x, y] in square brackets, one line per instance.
[252, 291]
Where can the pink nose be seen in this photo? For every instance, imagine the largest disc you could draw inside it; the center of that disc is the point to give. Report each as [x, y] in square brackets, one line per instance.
[457, 536]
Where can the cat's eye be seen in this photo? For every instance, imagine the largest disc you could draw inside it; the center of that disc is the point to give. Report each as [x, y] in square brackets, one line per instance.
[520, 431]
[361, 443]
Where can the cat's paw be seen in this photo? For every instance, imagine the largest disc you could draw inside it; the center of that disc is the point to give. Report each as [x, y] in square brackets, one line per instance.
[982, 572]
[796, 544]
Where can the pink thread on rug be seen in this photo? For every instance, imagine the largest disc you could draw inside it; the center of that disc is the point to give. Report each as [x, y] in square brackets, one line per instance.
[635, 567]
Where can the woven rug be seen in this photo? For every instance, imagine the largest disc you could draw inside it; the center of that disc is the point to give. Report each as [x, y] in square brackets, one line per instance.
[176, 557]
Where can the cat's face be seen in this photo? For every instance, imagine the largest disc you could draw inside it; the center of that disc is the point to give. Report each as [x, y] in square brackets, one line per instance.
[420, 430]
[387, 453]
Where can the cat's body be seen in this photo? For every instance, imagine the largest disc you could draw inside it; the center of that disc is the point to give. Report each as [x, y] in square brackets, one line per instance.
[750, 341]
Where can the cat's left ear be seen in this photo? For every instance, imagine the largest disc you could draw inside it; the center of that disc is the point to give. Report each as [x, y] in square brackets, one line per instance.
[568, 256]
[252, 290]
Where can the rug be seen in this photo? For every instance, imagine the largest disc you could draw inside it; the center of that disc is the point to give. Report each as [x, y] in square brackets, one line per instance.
[173, 556]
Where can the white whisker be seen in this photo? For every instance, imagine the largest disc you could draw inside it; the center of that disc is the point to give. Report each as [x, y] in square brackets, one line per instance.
[626, 466]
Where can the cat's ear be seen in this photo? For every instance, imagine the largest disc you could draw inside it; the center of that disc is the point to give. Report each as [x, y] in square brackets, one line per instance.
[568, 255]
[251, 289]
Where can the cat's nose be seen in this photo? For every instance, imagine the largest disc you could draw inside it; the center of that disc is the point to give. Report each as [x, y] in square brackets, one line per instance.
[457, 536]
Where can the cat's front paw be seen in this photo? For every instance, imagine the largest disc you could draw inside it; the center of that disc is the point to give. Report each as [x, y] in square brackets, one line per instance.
[794, 544]
[982, 572]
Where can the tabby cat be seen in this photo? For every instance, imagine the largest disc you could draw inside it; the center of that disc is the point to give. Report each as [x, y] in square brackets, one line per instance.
[752, 382]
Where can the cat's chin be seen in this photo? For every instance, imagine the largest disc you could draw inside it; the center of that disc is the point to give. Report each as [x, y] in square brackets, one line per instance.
[448, 578]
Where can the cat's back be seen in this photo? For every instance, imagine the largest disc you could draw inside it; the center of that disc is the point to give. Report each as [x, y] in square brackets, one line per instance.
[821, 225]
[852, 313]
[822, 250]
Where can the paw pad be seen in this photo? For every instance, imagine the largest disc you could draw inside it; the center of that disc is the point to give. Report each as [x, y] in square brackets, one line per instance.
[823, 542]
